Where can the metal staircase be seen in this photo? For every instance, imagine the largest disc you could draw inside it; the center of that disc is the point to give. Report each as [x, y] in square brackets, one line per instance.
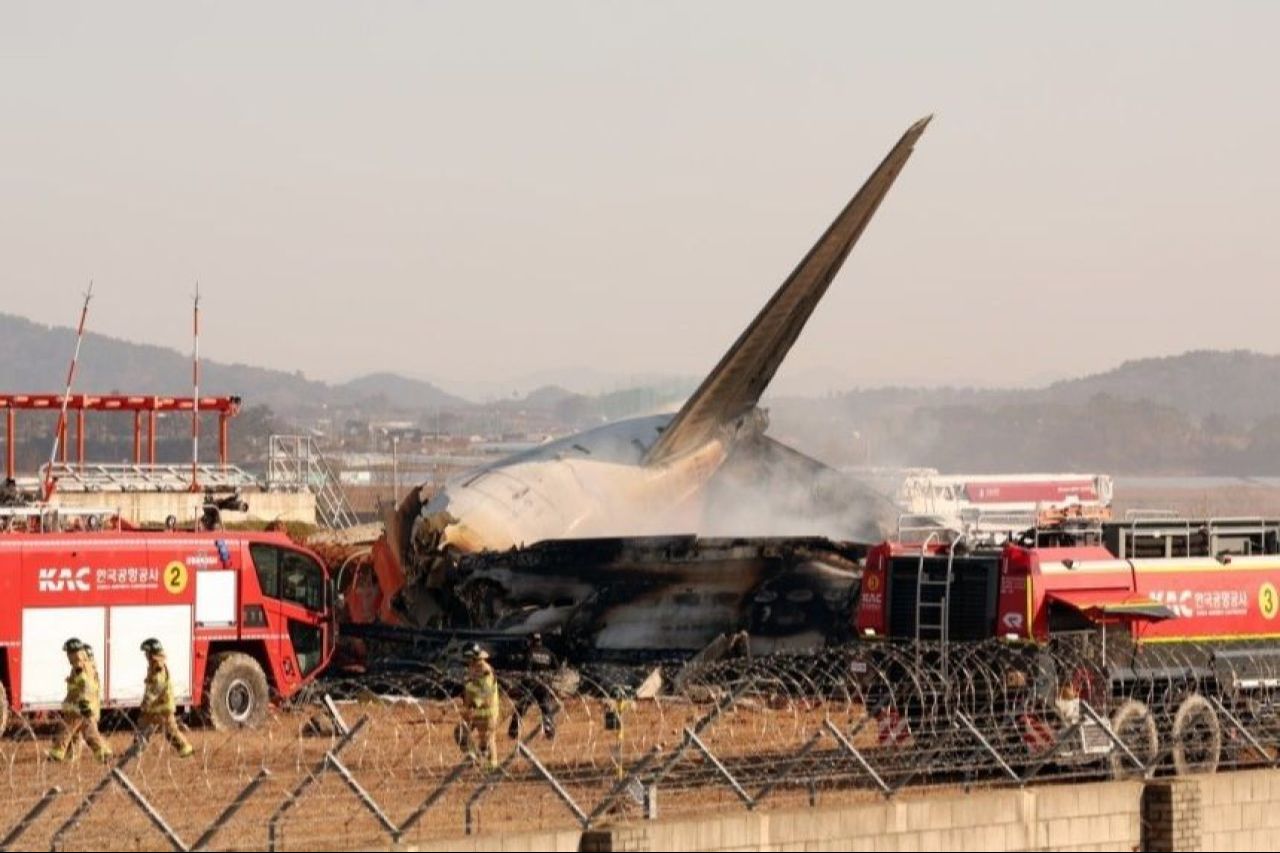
[295, 462]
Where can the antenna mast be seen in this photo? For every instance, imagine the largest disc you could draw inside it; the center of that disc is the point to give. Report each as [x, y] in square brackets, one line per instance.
[195, 390]
[66, 397]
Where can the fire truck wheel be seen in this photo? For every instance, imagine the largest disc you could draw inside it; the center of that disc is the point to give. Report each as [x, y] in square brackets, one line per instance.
[237, 696]
[1197, 737]
[4, 710]
[1135, 726]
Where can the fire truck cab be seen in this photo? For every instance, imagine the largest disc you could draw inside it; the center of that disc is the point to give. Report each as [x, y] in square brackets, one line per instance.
[243, 616]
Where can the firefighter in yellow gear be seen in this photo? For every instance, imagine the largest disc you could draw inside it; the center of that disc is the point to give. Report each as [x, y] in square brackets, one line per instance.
[615, 722]
[480, 712]
[81, 707]
[159, 713]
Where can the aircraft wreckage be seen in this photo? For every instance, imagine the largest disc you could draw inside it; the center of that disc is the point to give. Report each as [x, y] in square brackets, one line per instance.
[465, 556]
[618, 595]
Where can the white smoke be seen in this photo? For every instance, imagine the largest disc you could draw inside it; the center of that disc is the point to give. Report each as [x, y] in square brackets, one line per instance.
[758, 496]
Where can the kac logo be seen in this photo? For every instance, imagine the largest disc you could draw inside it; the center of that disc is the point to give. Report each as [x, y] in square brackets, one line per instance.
[63, 580]
[1179, 601]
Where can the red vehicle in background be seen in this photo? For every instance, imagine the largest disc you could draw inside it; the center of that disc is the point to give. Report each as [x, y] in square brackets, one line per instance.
[243, 616]
[1184, 613]
[1161, 581]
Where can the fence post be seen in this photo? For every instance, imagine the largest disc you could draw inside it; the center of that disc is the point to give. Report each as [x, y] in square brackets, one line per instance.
[1058, 743]
[432, 798]
[29, 818]
[157, 820]
[131, 753]
[361, 794]
[1115, 739]
[555, 784]
[847, 746]
[624, 783]
[788, 767]
[273, 823]
[964, 718]
[720, 768]
[1239, 726]
[230, 811]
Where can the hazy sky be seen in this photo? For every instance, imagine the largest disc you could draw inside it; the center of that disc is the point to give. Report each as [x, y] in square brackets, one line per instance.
[474, 191]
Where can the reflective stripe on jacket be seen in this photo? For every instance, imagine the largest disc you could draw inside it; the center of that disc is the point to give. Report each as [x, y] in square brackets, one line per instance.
[482, 695]
[157, 696]
[82, 690]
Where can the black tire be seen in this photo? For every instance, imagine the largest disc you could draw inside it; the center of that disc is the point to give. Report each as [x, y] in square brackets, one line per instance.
[236, 695]
[1135, 726]
[1197, 737]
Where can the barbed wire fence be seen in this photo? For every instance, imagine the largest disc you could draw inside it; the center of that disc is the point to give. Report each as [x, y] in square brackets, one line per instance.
[374, 760]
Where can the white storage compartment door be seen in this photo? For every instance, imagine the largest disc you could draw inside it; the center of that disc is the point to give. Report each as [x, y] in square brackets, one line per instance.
[130, 625]
[44, 663]
[216, 598]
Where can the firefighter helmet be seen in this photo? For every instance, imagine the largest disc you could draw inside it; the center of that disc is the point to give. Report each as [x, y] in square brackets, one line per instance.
[474, 653]
[152, 647]
[73, 645]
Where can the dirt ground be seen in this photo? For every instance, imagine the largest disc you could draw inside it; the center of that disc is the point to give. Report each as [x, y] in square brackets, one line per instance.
[402, 756]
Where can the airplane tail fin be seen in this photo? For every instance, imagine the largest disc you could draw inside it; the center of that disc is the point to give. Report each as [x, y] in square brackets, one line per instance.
[734, 387]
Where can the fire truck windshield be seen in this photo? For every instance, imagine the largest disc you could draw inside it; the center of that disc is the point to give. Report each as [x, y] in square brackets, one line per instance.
[289, 575]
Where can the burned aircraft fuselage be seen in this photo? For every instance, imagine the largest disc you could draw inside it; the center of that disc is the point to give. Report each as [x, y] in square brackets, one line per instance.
[451, 555]
[637, 477]
[660, 594]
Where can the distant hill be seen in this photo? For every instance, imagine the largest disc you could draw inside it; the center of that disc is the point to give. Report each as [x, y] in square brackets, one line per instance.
[414, 393]
[586, 381]
[547, 396]
[1200, 412]
[1240, 385]
[33, 357]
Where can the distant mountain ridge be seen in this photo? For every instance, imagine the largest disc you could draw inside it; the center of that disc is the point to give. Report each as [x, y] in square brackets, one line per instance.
[1201, 412]
[1239, 384]
[33, 358]
[1198, 412]
[393, 386]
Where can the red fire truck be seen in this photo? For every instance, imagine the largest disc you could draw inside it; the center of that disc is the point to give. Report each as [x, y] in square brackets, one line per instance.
[1181, 612]
[1164, 580]
[242, 616]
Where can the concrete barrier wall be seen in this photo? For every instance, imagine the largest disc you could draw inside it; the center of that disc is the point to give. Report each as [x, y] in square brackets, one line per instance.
[1237, 811]
[1104, 816]
[1101, 816]
[1227, 811]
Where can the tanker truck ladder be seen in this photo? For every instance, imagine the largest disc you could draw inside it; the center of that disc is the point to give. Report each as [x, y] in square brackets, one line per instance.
[294, 462]
[933, 600]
